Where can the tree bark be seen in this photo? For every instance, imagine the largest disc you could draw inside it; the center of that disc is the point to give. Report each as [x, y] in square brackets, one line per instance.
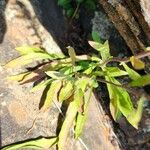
[129, 21]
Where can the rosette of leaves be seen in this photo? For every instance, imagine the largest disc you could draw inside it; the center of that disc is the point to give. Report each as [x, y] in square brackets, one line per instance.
[72, 80]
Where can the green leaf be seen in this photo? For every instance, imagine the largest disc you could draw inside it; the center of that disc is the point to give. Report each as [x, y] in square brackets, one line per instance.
[124, 102]
[96, 37]
[51, 94]
[90, 5]
[137, 63]
[135, 116]
[115, 72]
[42, 143]
[69, 70]
[23, 50]
[66, 4]
[79, 99]
[96, 58]
[26, 59]
[122, 99]
[91, 67]
[115, 112]
[102, 48]
[72, 54]
[41, 85]
[141, 81]
[67, 124]
[70, 12]
[132, 74]
[82, 83]
[80, 122]
[66, 91]
[81, 117]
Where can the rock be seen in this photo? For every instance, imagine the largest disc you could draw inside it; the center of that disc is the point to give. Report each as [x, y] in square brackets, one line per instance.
[19, 107]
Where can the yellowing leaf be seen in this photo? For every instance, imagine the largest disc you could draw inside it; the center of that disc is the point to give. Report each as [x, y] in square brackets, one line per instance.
[67, 124]
[137, 63]
[78, 98]
[51, 94]
[148, 48]
[142, 81]
[72, 54]
[26, 59]
[18, 77]
[132, 74]
[135, 116]
[66, 91]
[42, 143]
[23, 50]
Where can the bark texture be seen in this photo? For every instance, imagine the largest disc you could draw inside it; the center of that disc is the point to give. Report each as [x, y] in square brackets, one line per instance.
[131, 20]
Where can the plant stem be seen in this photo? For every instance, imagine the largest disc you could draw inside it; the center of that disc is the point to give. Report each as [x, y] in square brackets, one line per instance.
[126, 60]
[134, 92]
[75, 12]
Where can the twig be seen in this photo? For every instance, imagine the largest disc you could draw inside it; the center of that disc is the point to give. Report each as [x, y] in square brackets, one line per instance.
[126, 60]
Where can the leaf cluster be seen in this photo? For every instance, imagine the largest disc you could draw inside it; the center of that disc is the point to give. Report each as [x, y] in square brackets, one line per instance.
[72, 80]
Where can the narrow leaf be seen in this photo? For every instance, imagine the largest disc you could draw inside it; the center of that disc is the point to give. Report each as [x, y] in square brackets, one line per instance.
[67, 124]
[23, 50]
[115, 72]
[80, 122]
[18, 77]
[132, 74]
[66, 91]
[41, 143]
[115, 112]
[79, 99]
[142, 81]
[51, 94]
[91, 67]
[56, 75]
[102, 48]
[135, 116]
[72, 54]
[26, 59]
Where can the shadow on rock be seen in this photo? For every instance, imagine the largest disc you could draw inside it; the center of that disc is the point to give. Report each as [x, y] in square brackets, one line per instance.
[3, 26]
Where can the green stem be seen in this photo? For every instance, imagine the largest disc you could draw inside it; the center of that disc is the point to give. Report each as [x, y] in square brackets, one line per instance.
[75, 12]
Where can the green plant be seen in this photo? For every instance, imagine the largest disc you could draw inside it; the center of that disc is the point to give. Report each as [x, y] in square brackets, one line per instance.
[71, 7]
[72, 80]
